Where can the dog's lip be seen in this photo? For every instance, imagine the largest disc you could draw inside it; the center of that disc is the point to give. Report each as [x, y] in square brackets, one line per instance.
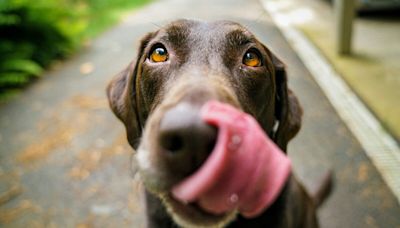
[194, 206]
[193, 212]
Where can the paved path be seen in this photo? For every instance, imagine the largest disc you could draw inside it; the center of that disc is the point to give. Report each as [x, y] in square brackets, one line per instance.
[64, 160]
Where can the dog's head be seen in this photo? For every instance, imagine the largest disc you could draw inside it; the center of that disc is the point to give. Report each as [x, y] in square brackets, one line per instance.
[178, 69]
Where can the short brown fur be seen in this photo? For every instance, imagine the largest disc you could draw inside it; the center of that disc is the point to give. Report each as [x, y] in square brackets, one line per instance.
[205, 63]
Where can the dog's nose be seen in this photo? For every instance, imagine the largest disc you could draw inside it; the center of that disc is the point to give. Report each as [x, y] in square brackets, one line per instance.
[185, 138]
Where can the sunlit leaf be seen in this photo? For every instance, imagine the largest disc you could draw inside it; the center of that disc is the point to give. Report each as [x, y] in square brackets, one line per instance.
[21, 65]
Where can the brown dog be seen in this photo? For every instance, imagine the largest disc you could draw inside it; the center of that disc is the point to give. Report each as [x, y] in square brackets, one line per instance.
[158, 97]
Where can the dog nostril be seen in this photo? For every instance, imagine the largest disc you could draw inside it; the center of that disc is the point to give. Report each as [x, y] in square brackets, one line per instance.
[201, 138]
[172, 143]
[183, 133]
[212, 142]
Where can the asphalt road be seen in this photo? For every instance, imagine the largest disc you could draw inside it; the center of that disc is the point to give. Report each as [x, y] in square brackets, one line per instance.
[64, 160]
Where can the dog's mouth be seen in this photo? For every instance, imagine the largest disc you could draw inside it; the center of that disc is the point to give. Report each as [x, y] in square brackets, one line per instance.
[244, 173]
[193, 215]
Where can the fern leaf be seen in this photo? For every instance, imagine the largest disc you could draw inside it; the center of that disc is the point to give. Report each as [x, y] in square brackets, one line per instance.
[13, 79]
[21, 65]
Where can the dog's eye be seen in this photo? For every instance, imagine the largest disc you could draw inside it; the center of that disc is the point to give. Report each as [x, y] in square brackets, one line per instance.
[159, 54]
[252, 59]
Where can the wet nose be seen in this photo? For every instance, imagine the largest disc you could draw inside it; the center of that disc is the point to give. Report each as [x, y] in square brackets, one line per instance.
[185, 139]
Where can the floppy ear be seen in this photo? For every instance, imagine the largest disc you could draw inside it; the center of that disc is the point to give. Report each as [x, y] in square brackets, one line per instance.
[121, 97]
[121, 93]
[287, 107]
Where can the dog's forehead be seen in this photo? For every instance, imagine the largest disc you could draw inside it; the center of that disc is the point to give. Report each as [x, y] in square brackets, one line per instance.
[190, 31]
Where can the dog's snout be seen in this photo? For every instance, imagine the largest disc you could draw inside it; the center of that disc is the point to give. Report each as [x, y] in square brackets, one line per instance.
[186, 138]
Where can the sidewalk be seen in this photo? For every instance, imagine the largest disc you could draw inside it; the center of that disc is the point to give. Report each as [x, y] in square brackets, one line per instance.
[65, 161]
[373, 70]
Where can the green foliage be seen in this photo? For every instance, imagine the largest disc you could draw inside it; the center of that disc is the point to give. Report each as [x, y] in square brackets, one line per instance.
[34, 33]
[21, 65]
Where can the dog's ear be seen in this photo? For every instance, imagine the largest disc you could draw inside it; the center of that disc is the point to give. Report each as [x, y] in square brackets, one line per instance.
[121, 93]
[121, 97]
[288, 111]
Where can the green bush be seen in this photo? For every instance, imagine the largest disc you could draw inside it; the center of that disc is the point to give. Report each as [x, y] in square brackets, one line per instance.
[33, 33]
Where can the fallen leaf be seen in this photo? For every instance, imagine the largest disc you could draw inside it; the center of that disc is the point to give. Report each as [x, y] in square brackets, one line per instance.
[86, 68]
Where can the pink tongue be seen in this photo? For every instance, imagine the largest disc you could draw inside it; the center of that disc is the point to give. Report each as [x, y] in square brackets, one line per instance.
[246, 170]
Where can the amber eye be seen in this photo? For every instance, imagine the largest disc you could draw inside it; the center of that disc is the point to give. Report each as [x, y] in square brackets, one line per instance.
[159, 54]
[252, 59]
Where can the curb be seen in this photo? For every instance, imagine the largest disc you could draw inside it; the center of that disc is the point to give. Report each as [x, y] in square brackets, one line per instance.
[379, 145]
